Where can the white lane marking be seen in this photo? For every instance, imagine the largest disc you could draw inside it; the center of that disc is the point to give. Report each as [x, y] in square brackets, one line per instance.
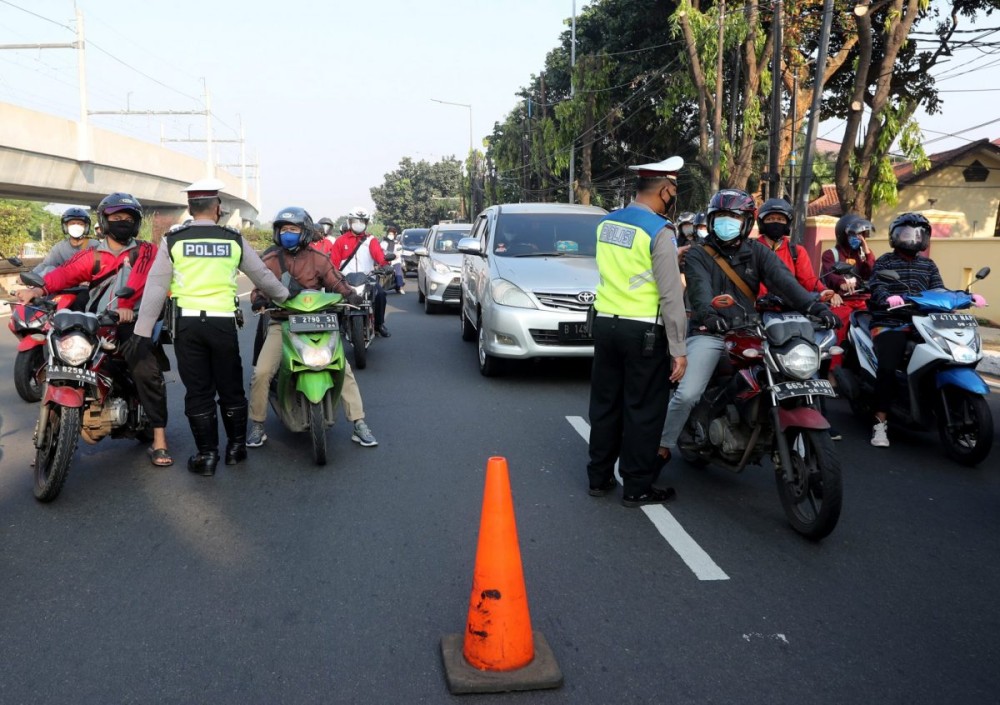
[700, 563]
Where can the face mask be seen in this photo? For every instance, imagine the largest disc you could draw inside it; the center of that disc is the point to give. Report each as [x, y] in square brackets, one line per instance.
[290, 240]
[357, 227]
[854, 242]
[775, 231]
[687, 230]
[727, 229]
[76, 230]
[391, 237]
[122, 230]
[327, 229]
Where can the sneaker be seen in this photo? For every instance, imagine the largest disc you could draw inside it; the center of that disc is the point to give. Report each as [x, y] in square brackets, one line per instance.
[256, 436]
[834, 434]
[402, 291]
[650, 496]
[383, 331]
[880, 436]
[362, 434]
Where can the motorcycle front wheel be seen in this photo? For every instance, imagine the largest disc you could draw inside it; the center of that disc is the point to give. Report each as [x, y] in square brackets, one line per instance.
[358, 342]
[28, 366]
[55, 451]
[969, 437]
[317, 430]
[813, 497]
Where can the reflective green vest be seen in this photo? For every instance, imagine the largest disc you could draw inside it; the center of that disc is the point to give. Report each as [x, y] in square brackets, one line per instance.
[625, 262]
[206, 259]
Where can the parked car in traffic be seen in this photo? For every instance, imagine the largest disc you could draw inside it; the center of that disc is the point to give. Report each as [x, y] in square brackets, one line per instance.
[440, 266]
[528, 279]
[412, 237]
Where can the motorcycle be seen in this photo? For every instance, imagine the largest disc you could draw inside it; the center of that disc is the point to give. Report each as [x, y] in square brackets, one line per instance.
[764, 400]
[940, 386]
[305, 391]
[88, 393]
[358, 322]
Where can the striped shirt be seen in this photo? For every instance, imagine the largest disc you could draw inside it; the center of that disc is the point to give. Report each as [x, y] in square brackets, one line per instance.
[916, 275]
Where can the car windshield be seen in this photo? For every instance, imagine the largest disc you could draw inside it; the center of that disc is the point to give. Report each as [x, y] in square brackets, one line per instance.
[414, 238]
[546, 234]
[447, 240]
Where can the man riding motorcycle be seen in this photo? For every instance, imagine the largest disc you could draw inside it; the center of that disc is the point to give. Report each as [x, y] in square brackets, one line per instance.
[730, 218]
[308, 269]
[357, 251]
[76, 227]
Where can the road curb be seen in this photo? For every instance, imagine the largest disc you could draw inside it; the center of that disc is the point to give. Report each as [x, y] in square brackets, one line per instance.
[990, 364]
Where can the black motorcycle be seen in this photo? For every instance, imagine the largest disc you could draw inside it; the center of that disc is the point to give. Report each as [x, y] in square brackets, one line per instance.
[358, 322]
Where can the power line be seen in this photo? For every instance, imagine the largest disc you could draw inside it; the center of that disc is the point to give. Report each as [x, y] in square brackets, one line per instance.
[35, 14]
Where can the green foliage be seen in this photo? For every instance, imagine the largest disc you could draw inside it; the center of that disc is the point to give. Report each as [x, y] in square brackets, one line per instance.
[418, 194]
[23, 221]
[260, 238]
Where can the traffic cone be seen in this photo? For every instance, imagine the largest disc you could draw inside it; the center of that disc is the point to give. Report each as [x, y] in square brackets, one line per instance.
[498, 652]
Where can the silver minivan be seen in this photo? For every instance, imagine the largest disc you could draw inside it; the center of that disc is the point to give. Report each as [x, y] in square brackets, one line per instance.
[528, 280]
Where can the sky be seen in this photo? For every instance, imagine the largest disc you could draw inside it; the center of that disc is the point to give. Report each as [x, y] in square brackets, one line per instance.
[331, 94]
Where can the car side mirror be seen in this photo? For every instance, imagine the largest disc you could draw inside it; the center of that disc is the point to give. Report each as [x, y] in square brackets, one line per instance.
[470, 246]
[983, 273]
[723, 301]
[32, 279]
[420, 251]
[888, 275]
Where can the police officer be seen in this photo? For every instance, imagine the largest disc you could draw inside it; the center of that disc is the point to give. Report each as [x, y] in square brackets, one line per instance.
[640, 323]
[197, 264]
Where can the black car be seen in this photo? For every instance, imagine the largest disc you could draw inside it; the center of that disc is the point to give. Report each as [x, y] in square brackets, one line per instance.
[412, 237]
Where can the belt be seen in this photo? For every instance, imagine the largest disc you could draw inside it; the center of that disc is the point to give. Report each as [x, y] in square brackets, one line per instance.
[206, 314]
[641, 319]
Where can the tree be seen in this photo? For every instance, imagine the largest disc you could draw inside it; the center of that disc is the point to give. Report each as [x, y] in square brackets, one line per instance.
[417, 194]
[24, 221]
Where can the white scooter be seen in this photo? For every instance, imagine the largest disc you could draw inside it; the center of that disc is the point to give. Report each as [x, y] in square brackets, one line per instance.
[940, 386]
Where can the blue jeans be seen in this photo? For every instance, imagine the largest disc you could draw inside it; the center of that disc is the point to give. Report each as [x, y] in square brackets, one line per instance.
[703, 352]
[400, 279]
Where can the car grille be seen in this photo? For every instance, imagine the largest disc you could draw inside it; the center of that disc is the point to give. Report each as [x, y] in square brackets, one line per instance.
[452, 291]
[566, 302]
[551, 337]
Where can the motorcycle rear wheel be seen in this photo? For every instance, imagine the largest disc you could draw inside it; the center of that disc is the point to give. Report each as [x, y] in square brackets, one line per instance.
[27, 369]
[55, 451]
[317, 430]
[812, 500]
[971, 443]
[358, 342]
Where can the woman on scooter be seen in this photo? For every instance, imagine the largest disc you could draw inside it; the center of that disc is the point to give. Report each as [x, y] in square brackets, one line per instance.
[851, 248]
[309, 269]
[909, 235]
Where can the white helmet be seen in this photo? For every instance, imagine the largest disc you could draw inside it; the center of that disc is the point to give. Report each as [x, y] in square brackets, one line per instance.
[360, 214]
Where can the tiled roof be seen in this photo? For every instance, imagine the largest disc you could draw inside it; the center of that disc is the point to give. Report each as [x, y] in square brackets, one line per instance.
[826, 204]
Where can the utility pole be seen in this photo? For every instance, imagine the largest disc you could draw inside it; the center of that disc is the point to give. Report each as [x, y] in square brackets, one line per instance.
[734, 95]
[773, 177]
[572, 94]
[807, 151]
[717, 118]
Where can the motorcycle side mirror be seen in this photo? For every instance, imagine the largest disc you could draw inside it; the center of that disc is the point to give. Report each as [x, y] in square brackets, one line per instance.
[723, 301]
[390, 257]
[842, 268]
[124, 292]
[16, 261]
[983, 273]
[888, 275]
[32, 279]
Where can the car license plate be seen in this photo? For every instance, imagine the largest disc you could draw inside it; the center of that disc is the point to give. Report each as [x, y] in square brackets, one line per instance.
[953, 320]
[573, 331]
[76, 374]
[312, 322]
[787, 390]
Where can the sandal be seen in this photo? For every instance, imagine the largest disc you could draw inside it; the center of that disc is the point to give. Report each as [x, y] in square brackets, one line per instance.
[160, 457]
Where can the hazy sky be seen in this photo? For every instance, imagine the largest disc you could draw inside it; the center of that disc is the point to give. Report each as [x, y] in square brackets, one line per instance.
[331, 93]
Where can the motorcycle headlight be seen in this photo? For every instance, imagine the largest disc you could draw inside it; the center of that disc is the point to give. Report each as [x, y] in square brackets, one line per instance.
[509, 294]
[74, 349]
[316, 358]
[800, 362]
[360, 289]
[441, 267]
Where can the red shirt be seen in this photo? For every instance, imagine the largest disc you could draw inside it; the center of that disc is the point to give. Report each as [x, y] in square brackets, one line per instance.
[346, 244]
[801, 266]
[80, 268]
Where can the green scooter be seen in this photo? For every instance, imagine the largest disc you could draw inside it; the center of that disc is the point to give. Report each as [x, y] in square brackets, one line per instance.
[306, 390]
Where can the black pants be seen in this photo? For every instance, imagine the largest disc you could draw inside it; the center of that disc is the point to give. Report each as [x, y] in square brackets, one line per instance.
[890, 348]
[628, 403]
[208, 361]
[148, 379]
[378, 302]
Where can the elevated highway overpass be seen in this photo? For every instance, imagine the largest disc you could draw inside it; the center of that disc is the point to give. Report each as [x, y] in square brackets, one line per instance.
[49, 158]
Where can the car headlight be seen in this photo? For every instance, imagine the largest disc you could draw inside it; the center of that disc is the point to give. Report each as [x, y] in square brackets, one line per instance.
[74, 349]
[507, 293]
[316, 358]
[441, 267]
[800, 362]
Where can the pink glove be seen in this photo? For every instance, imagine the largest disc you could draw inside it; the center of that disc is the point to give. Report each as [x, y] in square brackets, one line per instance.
[895, 301]
[978, 300]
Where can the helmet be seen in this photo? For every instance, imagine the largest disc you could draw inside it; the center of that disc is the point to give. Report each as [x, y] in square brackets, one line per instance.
[76, 213]
[850, 225]
[685, 217]
[700, 220]
[116, 203]
[840, 229]
[735, 202]
[322, 228]
[772, 206]
[359, 213]
[344, 227]
[910, 232]
[293, 216]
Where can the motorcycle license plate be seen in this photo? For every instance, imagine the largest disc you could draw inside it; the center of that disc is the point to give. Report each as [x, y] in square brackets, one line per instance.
[787, 390]
[953, 320]
[312, 322]
[573, 332]
[76, 374]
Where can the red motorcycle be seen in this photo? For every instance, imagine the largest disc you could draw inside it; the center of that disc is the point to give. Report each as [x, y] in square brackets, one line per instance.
[763, 401]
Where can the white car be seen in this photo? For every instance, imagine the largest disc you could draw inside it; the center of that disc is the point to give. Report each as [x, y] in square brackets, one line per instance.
[440, 266]
[528, 279]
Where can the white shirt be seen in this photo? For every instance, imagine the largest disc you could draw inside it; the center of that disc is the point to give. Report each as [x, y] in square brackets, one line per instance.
[362, 261]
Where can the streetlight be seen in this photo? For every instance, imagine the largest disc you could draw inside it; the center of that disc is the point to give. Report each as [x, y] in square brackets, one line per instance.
[472, 189]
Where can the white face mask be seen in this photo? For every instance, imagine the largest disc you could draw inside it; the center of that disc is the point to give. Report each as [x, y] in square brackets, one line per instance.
[358, 226]
[390, 236]
[76, 230]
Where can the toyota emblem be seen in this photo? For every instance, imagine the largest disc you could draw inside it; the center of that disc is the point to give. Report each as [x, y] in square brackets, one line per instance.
[586, 297]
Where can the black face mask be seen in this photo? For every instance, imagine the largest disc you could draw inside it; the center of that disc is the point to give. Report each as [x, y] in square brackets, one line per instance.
[122, 230]
[775, 231]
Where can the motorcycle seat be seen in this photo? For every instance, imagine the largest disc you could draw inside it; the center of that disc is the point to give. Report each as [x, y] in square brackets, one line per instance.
[862, 320]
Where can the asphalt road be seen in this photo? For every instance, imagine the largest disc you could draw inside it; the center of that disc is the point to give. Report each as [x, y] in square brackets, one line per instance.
[280, 582]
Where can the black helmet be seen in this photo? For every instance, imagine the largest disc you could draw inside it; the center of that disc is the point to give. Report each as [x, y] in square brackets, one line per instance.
[772, 206]
[850, 225]
[344, 227]
[700, 219]
[293, 216]
[115, 203]
[910, 232]
[735, 202]
[685, 217]
[840, 229]
[76, 213]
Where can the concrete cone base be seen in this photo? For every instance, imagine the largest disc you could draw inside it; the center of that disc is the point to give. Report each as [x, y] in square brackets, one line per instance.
[542, 672]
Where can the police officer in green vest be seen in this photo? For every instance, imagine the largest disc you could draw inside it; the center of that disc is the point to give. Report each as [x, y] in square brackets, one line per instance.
[640, 324]
[198, 265]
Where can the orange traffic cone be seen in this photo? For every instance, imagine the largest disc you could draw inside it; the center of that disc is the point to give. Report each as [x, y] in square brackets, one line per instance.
[498, 652]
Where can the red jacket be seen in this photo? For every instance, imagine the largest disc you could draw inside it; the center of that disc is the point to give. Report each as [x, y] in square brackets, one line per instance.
[801, 266]
[80, 268]
[862, 265]
[345, 245]
[324, 245]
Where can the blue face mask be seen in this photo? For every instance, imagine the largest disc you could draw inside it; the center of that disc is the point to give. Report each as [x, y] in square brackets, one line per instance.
[854, 242]
[290, 240]
[727, 229]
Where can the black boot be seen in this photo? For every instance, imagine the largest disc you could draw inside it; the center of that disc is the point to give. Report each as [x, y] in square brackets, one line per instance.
[205, 428]
[234, 418]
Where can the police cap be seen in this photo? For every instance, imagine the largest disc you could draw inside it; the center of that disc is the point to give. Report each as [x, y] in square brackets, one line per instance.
[204, 188]
[667, 169]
